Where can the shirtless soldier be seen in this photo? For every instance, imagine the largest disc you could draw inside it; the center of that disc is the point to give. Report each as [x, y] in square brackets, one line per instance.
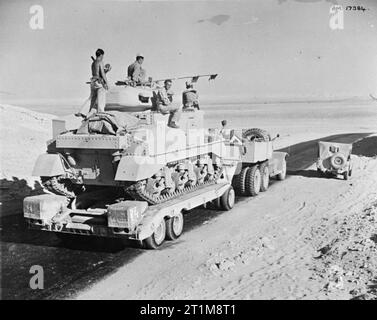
[98, 85]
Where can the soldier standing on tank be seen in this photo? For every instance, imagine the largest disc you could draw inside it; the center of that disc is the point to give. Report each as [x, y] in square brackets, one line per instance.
[98, 83]
[135, 72]
[165, 104]
[224, 131]
[98, 86]
[190, 98]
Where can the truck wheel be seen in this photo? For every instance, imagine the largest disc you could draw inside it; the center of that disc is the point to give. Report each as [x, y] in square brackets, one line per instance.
[239, 183]
[265, 175]
[345, 175]
[157, 237]
[256, 133]
[283, 173]
[227, 199]
[253, 181]
[174, 227]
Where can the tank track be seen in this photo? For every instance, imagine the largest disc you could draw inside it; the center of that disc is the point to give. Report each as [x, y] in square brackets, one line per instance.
[137, 192]
[55, 186]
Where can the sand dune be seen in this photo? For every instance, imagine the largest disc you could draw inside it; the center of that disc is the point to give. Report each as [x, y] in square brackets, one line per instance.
[23, 135]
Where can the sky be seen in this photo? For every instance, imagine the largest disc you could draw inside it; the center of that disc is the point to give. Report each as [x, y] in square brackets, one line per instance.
[261, 49]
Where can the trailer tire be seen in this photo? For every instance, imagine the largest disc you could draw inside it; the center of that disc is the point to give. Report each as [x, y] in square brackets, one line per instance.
[253, 181]
[174, 226]
[256, 133]
[281, 176]
[265, 176]
[227, 200]
[157, 238]
[239, 183]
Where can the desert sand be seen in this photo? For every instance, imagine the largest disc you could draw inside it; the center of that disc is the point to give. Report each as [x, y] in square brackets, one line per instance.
[308, 237]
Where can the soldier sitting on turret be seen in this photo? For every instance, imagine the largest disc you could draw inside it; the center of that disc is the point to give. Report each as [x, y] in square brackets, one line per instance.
[164, 101]
[135, 72]
[190, 98]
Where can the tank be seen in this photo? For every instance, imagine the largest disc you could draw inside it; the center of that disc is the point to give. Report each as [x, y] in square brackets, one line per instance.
[123, 154]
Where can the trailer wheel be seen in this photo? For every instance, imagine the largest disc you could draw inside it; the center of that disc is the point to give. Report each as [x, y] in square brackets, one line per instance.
[174, 227]
[283, 173]
[239, 183]
[157, 237]
[265, 176]
[227, 200]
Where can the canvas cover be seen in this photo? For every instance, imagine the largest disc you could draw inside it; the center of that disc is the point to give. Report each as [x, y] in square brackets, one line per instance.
[327, 149]
[108, 123]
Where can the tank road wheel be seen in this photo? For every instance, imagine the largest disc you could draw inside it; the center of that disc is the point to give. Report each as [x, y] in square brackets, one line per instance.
[174, 227]
[157, 238]
[265, 176]
[155, 185]
[281, 176]
[180, 177]
[256, 133]
[227, 199]
[169, 183]
[239, 183]
[191, 175]
[253, 181]
[201, 173]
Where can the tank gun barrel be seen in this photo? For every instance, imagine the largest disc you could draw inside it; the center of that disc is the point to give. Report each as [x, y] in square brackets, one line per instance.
[194, 78]
[151, 82]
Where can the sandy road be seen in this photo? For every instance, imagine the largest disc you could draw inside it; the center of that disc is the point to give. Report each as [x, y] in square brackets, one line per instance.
[260, 249]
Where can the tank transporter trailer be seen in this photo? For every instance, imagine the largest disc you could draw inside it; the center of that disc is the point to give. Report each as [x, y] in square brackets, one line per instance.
[140, 182]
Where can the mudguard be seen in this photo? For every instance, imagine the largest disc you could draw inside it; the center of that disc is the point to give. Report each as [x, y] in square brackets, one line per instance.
[277, 162]
[48, 165]
[134, 168]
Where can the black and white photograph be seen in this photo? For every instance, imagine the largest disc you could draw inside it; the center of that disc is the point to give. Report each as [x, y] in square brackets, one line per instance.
[209, 151]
